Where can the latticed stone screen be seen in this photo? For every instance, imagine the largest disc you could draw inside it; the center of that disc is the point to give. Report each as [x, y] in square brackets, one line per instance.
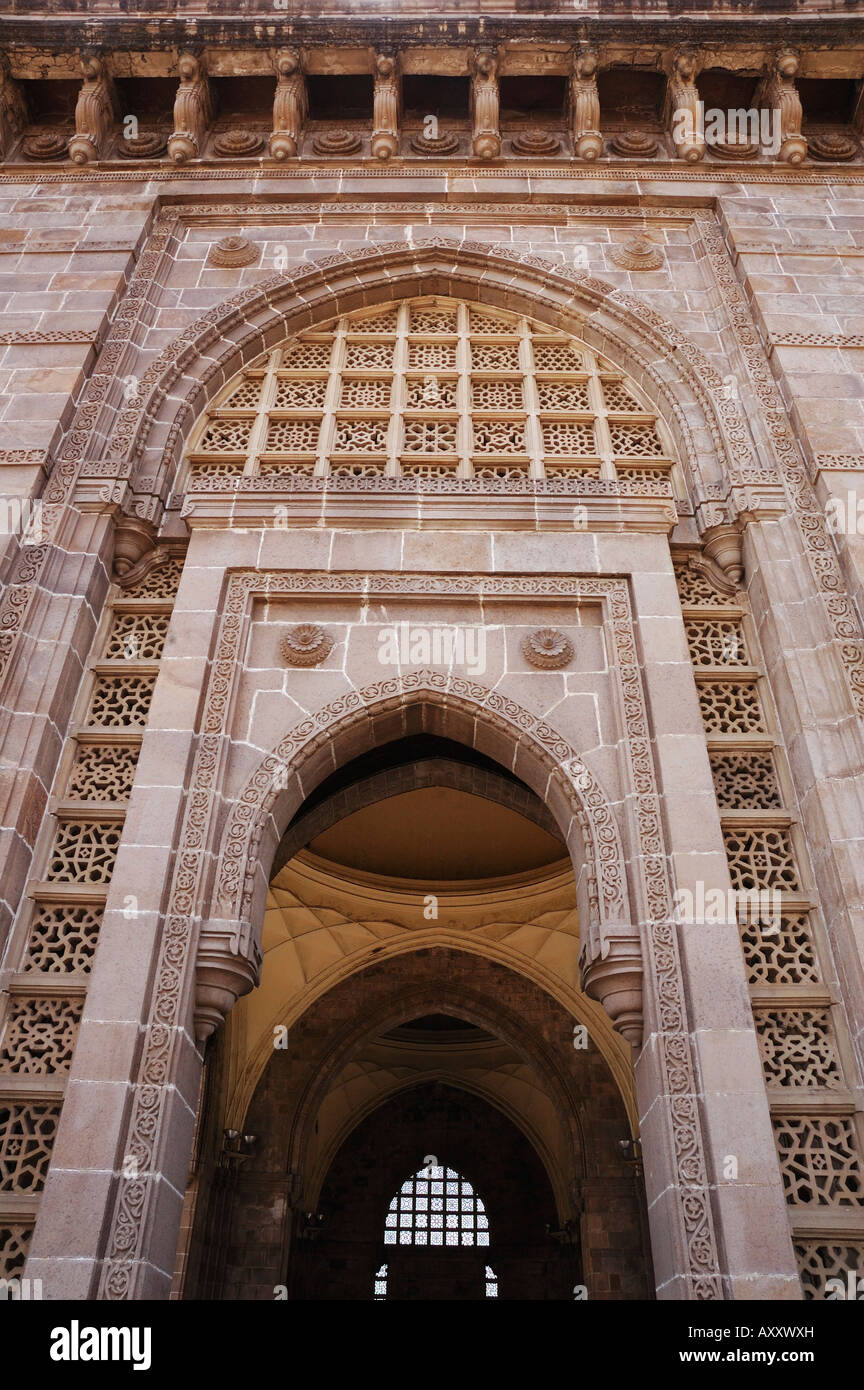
[800, 1024]
[57, 930]
[430, 389]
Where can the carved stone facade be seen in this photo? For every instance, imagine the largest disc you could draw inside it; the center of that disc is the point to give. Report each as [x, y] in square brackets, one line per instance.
[383, 406]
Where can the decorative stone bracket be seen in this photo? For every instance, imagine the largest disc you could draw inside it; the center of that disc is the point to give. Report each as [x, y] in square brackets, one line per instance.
[13, 109]
[724, 545]
[228, 965]
[193, 111]
[614, 978]
[486, 138]
[289, 106]
[584, 100]
[683, 109]
[95, 113]
[779, 93]
[385, 132]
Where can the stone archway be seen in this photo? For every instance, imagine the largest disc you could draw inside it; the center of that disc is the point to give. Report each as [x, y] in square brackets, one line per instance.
[255, 1217]
[226, 962]
[226, 938]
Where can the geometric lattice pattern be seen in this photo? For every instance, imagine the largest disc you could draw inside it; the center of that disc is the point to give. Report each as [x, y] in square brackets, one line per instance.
[696, 590]
[26, 1134]
[431, 379]
[38, 1031]
[760, 857]
[84, 851]
[817, 1151]
[137, 637]
[121, 701]
[731, 707]
[819, 1161]
[103, 772]
[780, 953]
[39, 1037]
[436, 1207]
[820, 1260]
[716, 642]
[63, 938]
[14, 1243]
[745, 781]
[798, 1048]
[161, 582]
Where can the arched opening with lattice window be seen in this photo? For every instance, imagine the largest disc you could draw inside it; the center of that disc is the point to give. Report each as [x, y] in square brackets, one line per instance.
[431, 388]
[418, 1038]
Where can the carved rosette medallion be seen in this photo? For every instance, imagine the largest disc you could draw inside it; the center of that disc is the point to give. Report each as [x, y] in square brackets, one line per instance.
[238, 144]
[832, 146]
[733, 149]
[548, 649]
[149, 144]
[46, 146]
[336, 142]
[446, 143]
[634, 144]
[233, 251]
[637, 253]
[305, 645]
[535, 142]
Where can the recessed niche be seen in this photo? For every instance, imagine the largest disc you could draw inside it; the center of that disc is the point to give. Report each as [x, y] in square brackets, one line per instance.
[628, 96]
[347, 97]
[424, 95]
[533, 96]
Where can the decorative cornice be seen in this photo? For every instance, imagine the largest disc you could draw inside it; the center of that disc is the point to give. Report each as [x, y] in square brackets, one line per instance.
[658, 172]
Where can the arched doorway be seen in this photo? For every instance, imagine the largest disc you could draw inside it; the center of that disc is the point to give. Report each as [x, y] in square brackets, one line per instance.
[433, 1048]
[487, 1202]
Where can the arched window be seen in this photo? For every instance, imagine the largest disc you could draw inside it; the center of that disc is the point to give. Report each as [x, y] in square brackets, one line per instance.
[436, 1207]
[430, 388]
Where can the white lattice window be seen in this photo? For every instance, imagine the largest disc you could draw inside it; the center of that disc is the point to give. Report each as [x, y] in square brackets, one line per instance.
[471, 389]
[436, 1207]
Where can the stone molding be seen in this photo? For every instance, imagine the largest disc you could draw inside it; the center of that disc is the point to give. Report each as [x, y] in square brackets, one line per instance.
[785, 174]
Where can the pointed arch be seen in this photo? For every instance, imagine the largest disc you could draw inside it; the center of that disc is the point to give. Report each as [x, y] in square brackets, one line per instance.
[427, 701]
[707, 422]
